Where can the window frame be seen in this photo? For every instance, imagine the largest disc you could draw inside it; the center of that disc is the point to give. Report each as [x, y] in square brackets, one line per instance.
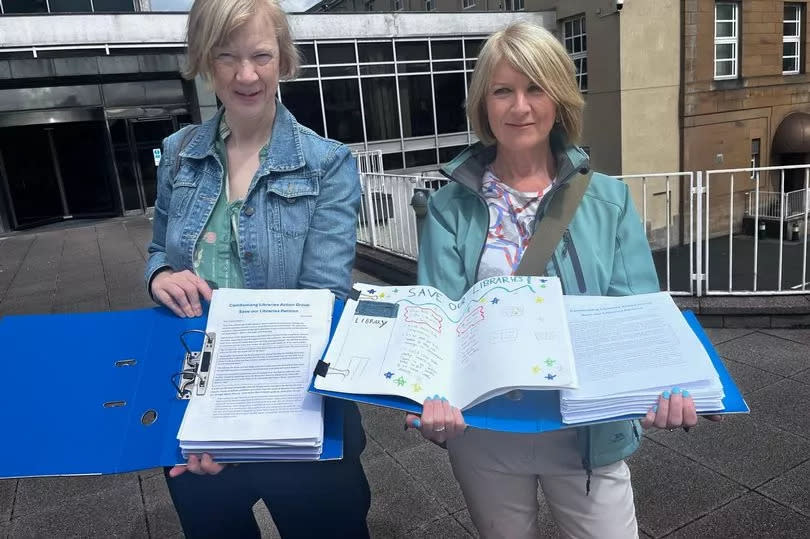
[430, 5]
[468, 4]
[796, 38]
[733, 40]
[397, 5]
[577, 54]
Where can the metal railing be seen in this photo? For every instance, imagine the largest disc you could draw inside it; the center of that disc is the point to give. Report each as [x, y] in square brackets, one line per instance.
[684, 230]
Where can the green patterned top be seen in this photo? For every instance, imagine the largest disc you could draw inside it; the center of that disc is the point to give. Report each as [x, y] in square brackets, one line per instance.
[216, 257]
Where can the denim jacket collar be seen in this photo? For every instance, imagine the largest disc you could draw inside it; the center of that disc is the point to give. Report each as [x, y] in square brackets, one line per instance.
[284, 152]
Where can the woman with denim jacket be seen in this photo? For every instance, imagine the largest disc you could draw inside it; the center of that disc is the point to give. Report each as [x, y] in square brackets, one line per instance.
[252, 199]
[526, 108]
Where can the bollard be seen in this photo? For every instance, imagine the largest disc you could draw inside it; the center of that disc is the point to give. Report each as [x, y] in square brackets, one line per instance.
[762, 230]
[419, 205]
[794, 231]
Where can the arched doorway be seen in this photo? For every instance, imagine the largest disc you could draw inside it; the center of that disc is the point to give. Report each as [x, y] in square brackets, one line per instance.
[791, 146]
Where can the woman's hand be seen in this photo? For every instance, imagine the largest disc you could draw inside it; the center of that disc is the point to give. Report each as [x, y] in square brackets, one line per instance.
[204, 465]
[439, 421]
[180, 292]
[674, 410]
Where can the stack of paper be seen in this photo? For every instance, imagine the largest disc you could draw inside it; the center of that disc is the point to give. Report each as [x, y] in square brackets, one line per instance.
[251, 402]
[625, 360]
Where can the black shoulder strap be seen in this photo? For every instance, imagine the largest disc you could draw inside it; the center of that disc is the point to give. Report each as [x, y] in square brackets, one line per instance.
[551, 227]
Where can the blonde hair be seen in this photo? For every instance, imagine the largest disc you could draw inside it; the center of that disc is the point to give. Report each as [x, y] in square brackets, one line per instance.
[211, 22]
[536, 53]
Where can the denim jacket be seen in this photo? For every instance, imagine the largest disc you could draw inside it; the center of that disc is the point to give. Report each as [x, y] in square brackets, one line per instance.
[297, 223]
[603, 252]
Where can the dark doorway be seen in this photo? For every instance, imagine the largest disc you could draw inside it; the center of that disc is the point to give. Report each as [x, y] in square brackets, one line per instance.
[56, 172]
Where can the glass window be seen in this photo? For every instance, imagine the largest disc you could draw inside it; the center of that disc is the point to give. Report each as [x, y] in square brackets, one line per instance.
[171, 5]
[303, 99]
[336, 53]
[416, 101]
[375, 52]
[726, 40]
[467, 4]
[25, 6]
[341, 100]
[792, 39]
[449, 153]
[412, 50]
[308, 54]
[114, 6]
[450, 98]
[377, 69]
[472, 47]
[447, 50]
[576, 44]
[70, 6]
[340, 71]
[420, 158]
[755, 157]
[380, 106]
[392, 161]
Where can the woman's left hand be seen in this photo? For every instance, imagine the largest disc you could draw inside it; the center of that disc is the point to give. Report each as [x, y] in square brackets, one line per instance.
[674, 410]
[439, 421]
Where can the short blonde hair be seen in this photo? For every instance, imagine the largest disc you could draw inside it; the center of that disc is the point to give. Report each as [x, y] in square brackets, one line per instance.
[211, 22]
[536, 53]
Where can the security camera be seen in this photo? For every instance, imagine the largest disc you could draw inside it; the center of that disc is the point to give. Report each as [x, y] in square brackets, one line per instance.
[619, 5]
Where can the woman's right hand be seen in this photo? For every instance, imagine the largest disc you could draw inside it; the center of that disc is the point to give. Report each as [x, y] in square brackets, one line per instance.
[180, 292]
[439, 421]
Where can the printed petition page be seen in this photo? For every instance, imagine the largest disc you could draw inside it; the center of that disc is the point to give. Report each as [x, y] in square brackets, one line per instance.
[627, 344]
[267, 344]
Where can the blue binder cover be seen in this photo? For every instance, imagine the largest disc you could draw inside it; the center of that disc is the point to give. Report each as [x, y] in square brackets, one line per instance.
[59, 370]
[539, 411]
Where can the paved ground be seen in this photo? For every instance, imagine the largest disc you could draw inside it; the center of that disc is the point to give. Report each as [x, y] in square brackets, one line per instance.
[746, 477]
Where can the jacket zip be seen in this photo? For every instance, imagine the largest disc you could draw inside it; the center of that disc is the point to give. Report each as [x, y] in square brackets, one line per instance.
[568, 245]
[556, 265]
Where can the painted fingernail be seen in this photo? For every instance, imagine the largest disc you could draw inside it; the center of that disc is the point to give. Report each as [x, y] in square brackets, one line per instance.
[665, 395]
[676, 390]
[444, 399]
[436, 397]
[417, 424]
[685, 393]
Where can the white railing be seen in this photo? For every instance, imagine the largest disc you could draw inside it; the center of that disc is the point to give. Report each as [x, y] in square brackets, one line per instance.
[761, 203]
[771, 204]
[386, 220]
[686, 233]
[657, 193]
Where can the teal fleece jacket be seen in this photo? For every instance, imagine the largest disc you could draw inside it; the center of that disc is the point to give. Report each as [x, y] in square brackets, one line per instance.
[604, 252]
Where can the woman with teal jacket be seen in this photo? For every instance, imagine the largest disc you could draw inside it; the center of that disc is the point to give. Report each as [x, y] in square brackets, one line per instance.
[526, 108]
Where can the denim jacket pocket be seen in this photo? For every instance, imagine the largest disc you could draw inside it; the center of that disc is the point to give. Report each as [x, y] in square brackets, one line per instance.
[290, 204]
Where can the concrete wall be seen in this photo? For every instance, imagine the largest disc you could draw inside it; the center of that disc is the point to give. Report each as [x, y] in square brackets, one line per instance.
[650, 90]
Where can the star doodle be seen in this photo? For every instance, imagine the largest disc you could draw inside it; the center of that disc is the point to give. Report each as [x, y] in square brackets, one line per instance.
[550, 362]
[538, 299]
[494, 301]
[395, 291]
[382, 295]
[417, 388]
[482, 300]
[371, 291]
[542, 286]
[536, 369]
[389, 374]
[550, 376]
[400, 381]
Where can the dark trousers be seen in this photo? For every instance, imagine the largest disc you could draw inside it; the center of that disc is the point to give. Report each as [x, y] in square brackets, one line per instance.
[305, 499]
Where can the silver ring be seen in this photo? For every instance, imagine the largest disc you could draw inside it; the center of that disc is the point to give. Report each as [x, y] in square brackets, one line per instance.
[672, 430]
[439, 429]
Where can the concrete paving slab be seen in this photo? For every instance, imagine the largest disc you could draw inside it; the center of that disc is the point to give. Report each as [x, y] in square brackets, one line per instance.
[34, 287]
[161, 518]
[744, 305]
[8, 489]
[385, 426]
[721, 335]
[86, 305]
[767, 352]
[784, 404]
[430, 465]
[39, 304]
[372, 450]
[748, 378]
[675, 489]
[35, 494]
[110, 513]
[791, 489]
[399, 504]
[463, 518]
[751, 515]
[796, 335]
[443, 528]
[803, 377]
[745, 448]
